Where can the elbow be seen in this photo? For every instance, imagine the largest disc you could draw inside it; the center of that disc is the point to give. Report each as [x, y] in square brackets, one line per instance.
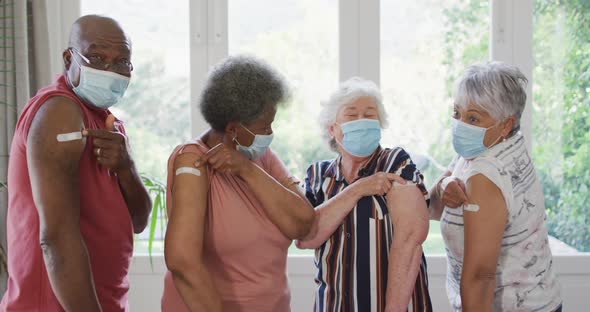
[178, 262]
[412, 234]
[302, 226]
[479, 276]
[140, 220]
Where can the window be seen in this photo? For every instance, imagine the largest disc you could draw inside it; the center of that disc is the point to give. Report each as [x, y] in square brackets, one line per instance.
[300, 39]
[155, 109]
[425, 45]
[561, 116]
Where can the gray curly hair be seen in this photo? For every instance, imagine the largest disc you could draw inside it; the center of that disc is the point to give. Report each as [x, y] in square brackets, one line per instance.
[241, 88]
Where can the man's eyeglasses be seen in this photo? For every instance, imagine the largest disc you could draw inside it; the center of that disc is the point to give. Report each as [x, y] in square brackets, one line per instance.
[97, 62]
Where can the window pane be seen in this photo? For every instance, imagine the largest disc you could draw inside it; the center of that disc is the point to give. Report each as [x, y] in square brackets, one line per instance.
[155, 109]
[561, 117]
[425, 45]
[300, 39]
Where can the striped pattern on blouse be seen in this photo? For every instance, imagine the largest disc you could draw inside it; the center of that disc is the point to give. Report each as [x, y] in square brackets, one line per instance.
[352, 264]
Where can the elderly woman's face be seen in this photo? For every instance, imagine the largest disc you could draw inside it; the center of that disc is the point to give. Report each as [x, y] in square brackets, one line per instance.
[474, 115]
[361, 108]
[262, 125]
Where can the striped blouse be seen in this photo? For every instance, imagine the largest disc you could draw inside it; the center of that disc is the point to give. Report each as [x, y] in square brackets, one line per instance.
[352, 264]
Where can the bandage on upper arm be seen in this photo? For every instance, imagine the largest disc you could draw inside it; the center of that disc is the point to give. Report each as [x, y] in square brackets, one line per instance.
[70, 136]
[188, 170]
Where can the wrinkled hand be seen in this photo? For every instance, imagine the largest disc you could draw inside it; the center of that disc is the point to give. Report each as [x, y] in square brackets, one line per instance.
[224, 159]
[110, 146]
[377, 184]
[453, 192]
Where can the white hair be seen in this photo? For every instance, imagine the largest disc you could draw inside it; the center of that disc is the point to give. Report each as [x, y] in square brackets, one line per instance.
[348, 92]
[495, 87]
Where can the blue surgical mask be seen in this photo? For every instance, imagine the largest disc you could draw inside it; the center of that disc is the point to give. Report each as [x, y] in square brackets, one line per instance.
[468, 139]
[361, 137]
[259, 145]
[100, 88]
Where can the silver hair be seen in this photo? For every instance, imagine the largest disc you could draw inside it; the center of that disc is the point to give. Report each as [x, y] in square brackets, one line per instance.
[497, 88]
[241, 88]
[348, 92]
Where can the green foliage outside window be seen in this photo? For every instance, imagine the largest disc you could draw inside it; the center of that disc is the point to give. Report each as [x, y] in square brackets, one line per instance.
[561, 103]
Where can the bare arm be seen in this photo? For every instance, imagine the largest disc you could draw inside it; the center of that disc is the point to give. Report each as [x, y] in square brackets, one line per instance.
[184, 239]
[286, 207]
[436, 205]
[53, 169]
[111, 150]
[330, 214]
[484, 230]
[409, 216]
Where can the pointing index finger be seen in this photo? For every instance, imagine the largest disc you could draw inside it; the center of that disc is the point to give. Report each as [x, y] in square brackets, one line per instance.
[97, 133]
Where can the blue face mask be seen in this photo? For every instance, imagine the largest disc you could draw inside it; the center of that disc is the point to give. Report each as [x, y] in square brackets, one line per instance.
[468, 139]
[259, 145]
[100, 88]
[361, 137]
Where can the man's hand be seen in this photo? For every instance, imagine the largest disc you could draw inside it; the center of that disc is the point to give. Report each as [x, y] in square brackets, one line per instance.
[225, 159]
[453, 192]
[110, 146]
[377, 184]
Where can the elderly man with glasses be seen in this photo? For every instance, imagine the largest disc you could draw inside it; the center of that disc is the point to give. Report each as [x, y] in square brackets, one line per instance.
[75, 198]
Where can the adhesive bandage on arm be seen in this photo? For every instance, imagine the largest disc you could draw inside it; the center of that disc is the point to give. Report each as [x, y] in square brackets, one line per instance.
[189, 170]
[72, 136]
[408, 183]
[471, 207]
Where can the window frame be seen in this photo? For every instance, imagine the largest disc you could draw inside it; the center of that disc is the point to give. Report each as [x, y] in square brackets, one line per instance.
[511, 33]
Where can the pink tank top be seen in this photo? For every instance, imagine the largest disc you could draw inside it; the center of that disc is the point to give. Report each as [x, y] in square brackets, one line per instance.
[105, 222]
[244, 251]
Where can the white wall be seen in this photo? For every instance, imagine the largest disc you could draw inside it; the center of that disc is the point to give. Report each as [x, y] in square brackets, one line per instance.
[147, 284]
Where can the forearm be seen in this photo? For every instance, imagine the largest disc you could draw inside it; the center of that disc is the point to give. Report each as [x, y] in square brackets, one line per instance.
[136, 197]
[477, 292]
[329, 217]
[404, 263]
[436, 206]
[68, 268]
[195, 286]
[291, 212]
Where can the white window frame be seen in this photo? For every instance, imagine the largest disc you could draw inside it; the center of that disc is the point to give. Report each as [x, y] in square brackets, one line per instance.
[511, 34]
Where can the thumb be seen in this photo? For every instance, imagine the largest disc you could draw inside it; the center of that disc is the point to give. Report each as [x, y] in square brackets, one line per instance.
[110, 122]
[395, 178]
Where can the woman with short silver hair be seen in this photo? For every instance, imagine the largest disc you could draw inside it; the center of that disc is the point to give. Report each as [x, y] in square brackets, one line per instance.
[233, 207]
[361, 199]
[490, 201]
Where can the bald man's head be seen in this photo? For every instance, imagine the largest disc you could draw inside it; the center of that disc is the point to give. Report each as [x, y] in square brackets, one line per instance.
[88, 27]
[101, 43]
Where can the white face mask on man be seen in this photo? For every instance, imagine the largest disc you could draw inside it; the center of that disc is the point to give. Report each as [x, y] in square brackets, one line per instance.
[99, 88]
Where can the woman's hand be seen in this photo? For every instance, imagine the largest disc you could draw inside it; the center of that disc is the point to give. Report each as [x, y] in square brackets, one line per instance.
[453, 192]
[377, 184]
[225, 159]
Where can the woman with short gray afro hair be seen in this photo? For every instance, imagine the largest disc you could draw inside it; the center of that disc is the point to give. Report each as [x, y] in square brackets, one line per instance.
[228, 189]
[241, 88]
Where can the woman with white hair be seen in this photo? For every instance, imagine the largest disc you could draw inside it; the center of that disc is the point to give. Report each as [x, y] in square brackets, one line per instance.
[490, 202]
[361, 199]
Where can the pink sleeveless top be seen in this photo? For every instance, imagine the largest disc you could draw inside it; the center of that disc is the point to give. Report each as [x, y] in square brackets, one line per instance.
[105, 222]
[244, 251]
